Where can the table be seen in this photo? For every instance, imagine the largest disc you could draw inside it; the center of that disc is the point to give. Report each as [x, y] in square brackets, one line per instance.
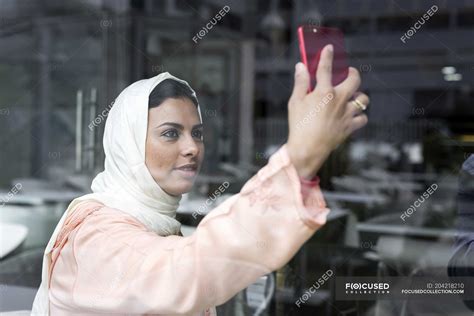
[37, 197]
[352, 197]
[404, 230]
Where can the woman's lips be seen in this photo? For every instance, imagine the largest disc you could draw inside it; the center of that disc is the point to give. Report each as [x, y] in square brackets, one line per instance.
[187, 172]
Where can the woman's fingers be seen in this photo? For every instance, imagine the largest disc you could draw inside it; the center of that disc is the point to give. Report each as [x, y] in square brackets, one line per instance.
[353, 107]
[324, 71]
[358, 122]
[349, 86]
[300, 87]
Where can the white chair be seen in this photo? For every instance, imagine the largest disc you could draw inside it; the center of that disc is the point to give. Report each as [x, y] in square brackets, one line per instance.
[13, 236]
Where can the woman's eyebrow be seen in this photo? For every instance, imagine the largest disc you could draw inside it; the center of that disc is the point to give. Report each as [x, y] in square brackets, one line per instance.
[179, 126]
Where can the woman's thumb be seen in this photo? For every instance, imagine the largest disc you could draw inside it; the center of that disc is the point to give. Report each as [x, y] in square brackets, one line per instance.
[300, 89]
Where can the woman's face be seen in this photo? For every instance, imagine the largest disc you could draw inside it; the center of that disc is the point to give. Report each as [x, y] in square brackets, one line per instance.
[174, 145]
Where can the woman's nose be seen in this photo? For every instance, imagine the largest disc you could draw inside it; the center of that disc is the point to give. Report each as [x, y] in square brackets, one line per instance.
[190, 148]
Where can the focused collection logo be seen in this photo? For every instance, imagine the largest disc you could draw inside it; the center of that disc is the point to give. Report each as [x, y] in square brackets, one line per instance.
[367, 288]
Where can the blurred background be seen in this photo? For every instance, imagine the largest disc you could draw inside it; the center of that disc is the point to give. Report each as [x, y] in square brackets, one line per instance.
[63, 63]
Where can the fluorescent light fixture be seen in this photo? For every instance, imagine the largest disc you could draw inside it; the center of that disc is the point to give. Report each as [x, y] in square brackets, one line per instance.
[448, 70]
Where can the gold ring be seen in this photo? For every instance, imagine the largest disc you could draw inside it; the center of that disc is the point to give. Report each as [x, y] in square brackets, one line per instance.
[360, 105]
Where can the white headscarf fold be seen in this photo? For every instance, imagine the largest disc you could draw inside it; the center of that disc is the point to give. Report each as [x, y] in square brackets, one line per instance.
[126, 182]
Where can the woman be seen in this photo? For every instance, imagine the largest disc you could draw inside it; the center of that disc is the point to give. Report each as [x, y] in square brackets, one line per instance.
[119, 249]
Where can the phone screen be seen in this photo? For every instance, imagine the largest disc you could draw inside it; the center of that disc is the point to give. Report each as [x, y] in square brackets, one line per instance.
[312, 40]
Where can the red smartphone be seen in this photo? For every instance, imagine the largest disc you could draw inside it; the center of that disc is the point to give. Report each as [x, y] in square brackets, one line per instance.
[312, 40]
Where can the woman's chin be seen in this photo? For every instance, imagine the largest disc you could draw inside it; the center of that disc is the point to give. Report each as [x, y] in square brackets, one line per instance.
[182, 188]
[178, 184]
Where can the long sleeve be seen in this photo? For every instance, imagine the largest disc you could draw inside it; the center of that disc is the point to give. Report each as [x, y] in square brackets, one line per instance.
[113, 264]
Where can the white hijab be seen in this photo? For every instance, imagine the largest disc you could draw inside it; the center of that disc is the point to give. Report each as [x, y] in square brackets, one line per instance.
[125, 183]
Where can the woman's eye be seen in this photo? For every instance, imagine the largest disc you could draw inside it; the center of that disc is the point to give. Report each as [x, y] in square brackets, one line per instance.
[197, 134]
[171, 133]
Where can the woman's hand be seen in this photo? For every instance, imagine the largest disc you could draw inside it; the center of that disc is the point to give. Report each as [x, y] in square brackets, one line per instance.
[321, 120]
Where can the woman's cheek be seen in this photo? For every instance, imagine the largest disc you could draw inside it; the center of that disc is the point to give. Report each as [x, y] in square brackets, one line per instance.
[201, 155]
[165, 157]
[155, 157]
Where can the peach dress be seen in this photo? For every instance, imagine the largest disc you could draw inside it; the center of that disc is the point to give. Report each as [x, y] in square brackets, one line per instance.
[106, 261]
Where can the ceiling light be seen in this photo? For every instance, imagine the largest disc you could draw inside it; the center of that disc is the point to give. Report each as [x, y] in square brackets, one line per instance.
[448, 70]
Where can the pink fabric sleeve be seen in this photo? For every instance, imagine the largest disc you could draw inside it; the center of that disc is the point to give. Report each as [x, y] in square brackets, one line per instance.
[125, 268]
[307, 189]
